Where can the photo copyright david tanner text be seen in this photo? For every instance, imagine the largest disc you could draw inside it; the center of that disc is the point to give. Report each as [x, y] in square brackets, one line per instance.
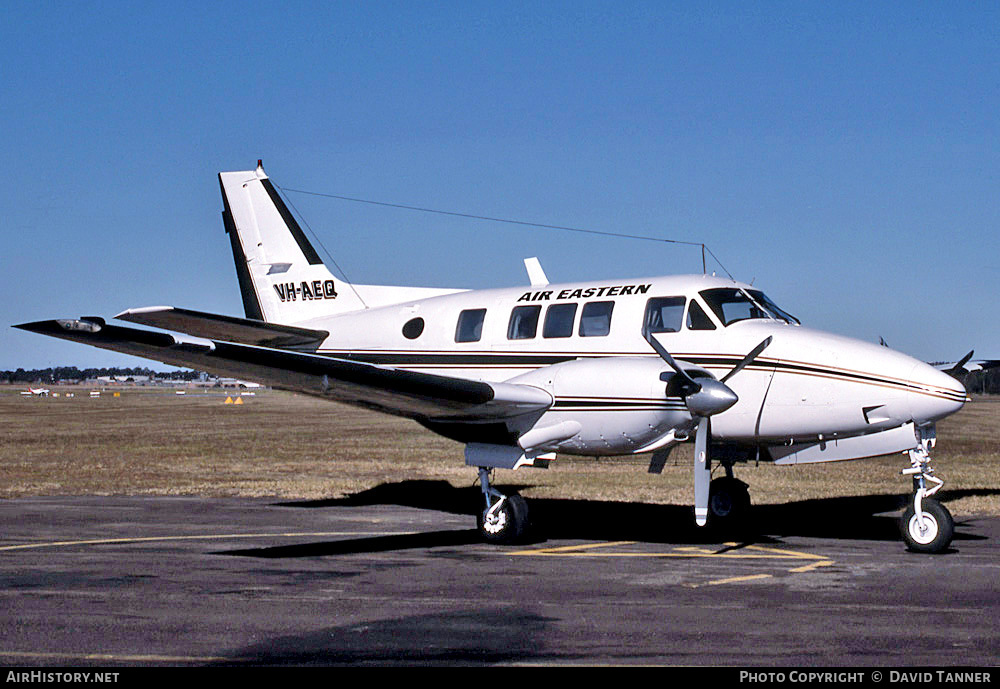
[888, 676]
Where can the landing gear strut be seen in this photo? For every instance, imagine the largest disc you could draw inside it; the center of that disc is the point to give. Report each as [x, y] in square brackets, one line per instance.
[504, 519]
[927, 525]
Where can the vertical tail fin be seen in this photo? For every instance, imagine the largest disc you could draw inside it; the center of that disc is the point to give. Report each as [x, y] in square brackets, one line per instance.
[281, 276]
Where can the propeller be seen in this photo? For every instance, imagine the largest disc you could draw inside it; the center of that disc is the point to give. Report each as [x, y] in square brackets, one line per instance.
[704, 397]
[959, 368]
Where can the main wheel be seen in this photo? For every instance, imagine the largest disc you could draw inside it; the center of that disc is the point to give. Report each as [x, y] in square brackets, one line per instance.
[728, 502]
[507, 524]
[931, 535]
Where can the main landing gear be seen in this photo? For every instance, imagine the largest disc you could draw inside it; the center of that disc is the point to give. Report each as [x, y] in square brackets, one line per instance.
[728, 501]
[504, 518]
[927, 525]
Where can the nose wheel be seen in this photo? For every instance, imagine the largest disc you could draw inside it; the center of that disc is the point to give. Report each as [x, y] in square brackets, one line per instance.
[927, 525]
[929, 532]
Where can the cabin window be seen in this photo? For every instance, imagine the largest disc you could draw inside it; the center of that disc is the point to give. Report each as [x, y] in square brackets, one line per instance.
[470, 325]
[664, 314]
[698, 319]
[413, 328]
[523, 322]
[596, 318]
[559, 320]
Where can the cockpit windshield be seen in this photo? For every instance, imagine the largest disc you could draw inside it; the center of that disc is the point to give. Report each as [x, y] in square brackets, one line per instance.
[733, 304]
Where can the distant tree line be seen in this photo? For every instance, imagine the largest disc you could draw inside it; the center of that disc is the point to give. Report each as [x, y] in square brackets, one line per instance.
[69, 373]
[983, 382]
[976, 383]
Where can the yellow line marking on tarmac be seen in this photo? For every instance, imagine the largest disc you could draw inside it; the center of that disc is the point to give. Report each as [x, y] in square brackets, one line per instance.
[812, 566]
[730, 580]
[567, 549]
[732, 551]
[201, 537]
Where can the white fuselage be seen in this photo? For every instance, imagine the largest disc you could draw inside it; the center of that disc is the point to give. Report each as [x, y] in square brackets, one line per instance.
[806, 386]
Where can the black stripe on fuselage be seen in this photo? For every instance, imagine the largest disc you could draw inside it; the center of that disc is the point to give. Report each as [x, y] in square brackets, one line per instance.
[416, 359]
[808, 369]
[532, 360]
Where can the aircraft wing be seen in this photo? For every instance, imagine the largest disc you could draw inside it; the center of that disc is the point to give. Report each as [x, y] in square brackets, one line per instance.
[228, 328]
[391, 390]
[965, 367]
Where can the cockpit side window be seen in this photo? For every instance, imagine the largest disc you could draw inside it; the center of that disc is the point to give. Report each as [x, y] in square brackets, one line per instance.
[697, 318]
[664, 315]
[780, 314]
[733, 304]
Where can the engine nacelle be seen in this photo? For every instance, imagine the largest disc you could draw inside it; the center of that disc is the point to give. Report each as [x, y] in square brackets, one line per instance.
[620, 403]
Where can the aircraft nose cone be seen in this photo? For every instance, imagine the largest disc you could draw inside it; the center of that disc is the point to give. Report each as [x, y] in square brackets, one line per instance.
[935, 394]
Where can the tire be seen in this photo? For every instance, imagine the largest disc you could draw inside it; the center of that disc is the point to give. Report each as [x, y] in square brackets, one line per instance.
[939, 527]
[510, 522]
[728, 502]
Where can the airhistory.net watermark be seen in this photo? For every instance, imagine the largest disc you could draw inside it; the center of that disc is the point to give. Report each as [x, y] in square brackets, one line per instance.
[43, 676]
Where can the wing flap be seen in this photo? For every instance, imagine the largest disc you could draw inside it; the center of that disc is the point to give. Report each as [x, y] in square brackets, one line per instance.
[391, 390]
[229, 328]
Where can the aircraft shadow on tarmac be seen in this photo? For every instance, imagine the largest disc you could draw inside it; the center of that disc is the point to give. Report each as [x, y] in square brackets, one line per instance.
[865, 517]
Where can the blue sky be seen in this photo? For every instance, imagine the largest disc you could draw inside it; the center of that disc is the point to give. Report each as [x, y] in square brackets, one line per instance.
[844, 156]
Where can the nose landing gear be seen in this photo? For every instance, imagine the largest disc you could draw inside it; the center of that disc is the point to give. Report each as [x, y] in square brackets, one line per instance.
[927, 525]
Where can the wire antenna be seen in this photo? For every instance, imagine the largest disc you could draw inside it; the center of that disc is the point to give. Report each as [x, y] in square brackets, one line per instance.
[471, 216]
[323, 246]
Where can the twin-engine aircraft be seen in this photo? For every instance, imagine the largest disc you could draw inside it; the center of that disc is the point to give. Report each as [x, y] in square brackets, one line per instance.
[518, 375]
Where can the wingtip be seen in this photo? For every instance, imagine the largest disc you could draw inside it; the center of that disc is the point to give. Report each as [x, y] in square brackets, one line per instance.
[34, 326]
[59, 326]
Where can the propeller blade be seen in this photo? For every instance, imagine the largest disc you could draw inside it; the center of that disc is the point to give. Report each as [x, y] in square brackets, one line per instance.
[702, 471]
[748, 359]
[665, 355]
[959, 368]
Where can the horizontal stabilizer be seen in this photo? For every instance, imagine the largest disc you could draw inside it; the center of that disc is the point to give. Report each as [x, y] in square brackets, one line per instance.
[395, 391]
[228, 328]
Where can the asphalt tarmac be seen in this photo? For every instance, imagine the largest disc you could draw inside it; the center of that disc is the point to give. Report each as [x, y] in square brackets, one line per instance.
[384, 579]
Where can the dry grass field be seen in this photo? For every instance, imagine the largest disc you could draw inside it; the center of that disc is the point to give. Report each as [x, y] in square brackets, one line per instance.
[277, 444]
